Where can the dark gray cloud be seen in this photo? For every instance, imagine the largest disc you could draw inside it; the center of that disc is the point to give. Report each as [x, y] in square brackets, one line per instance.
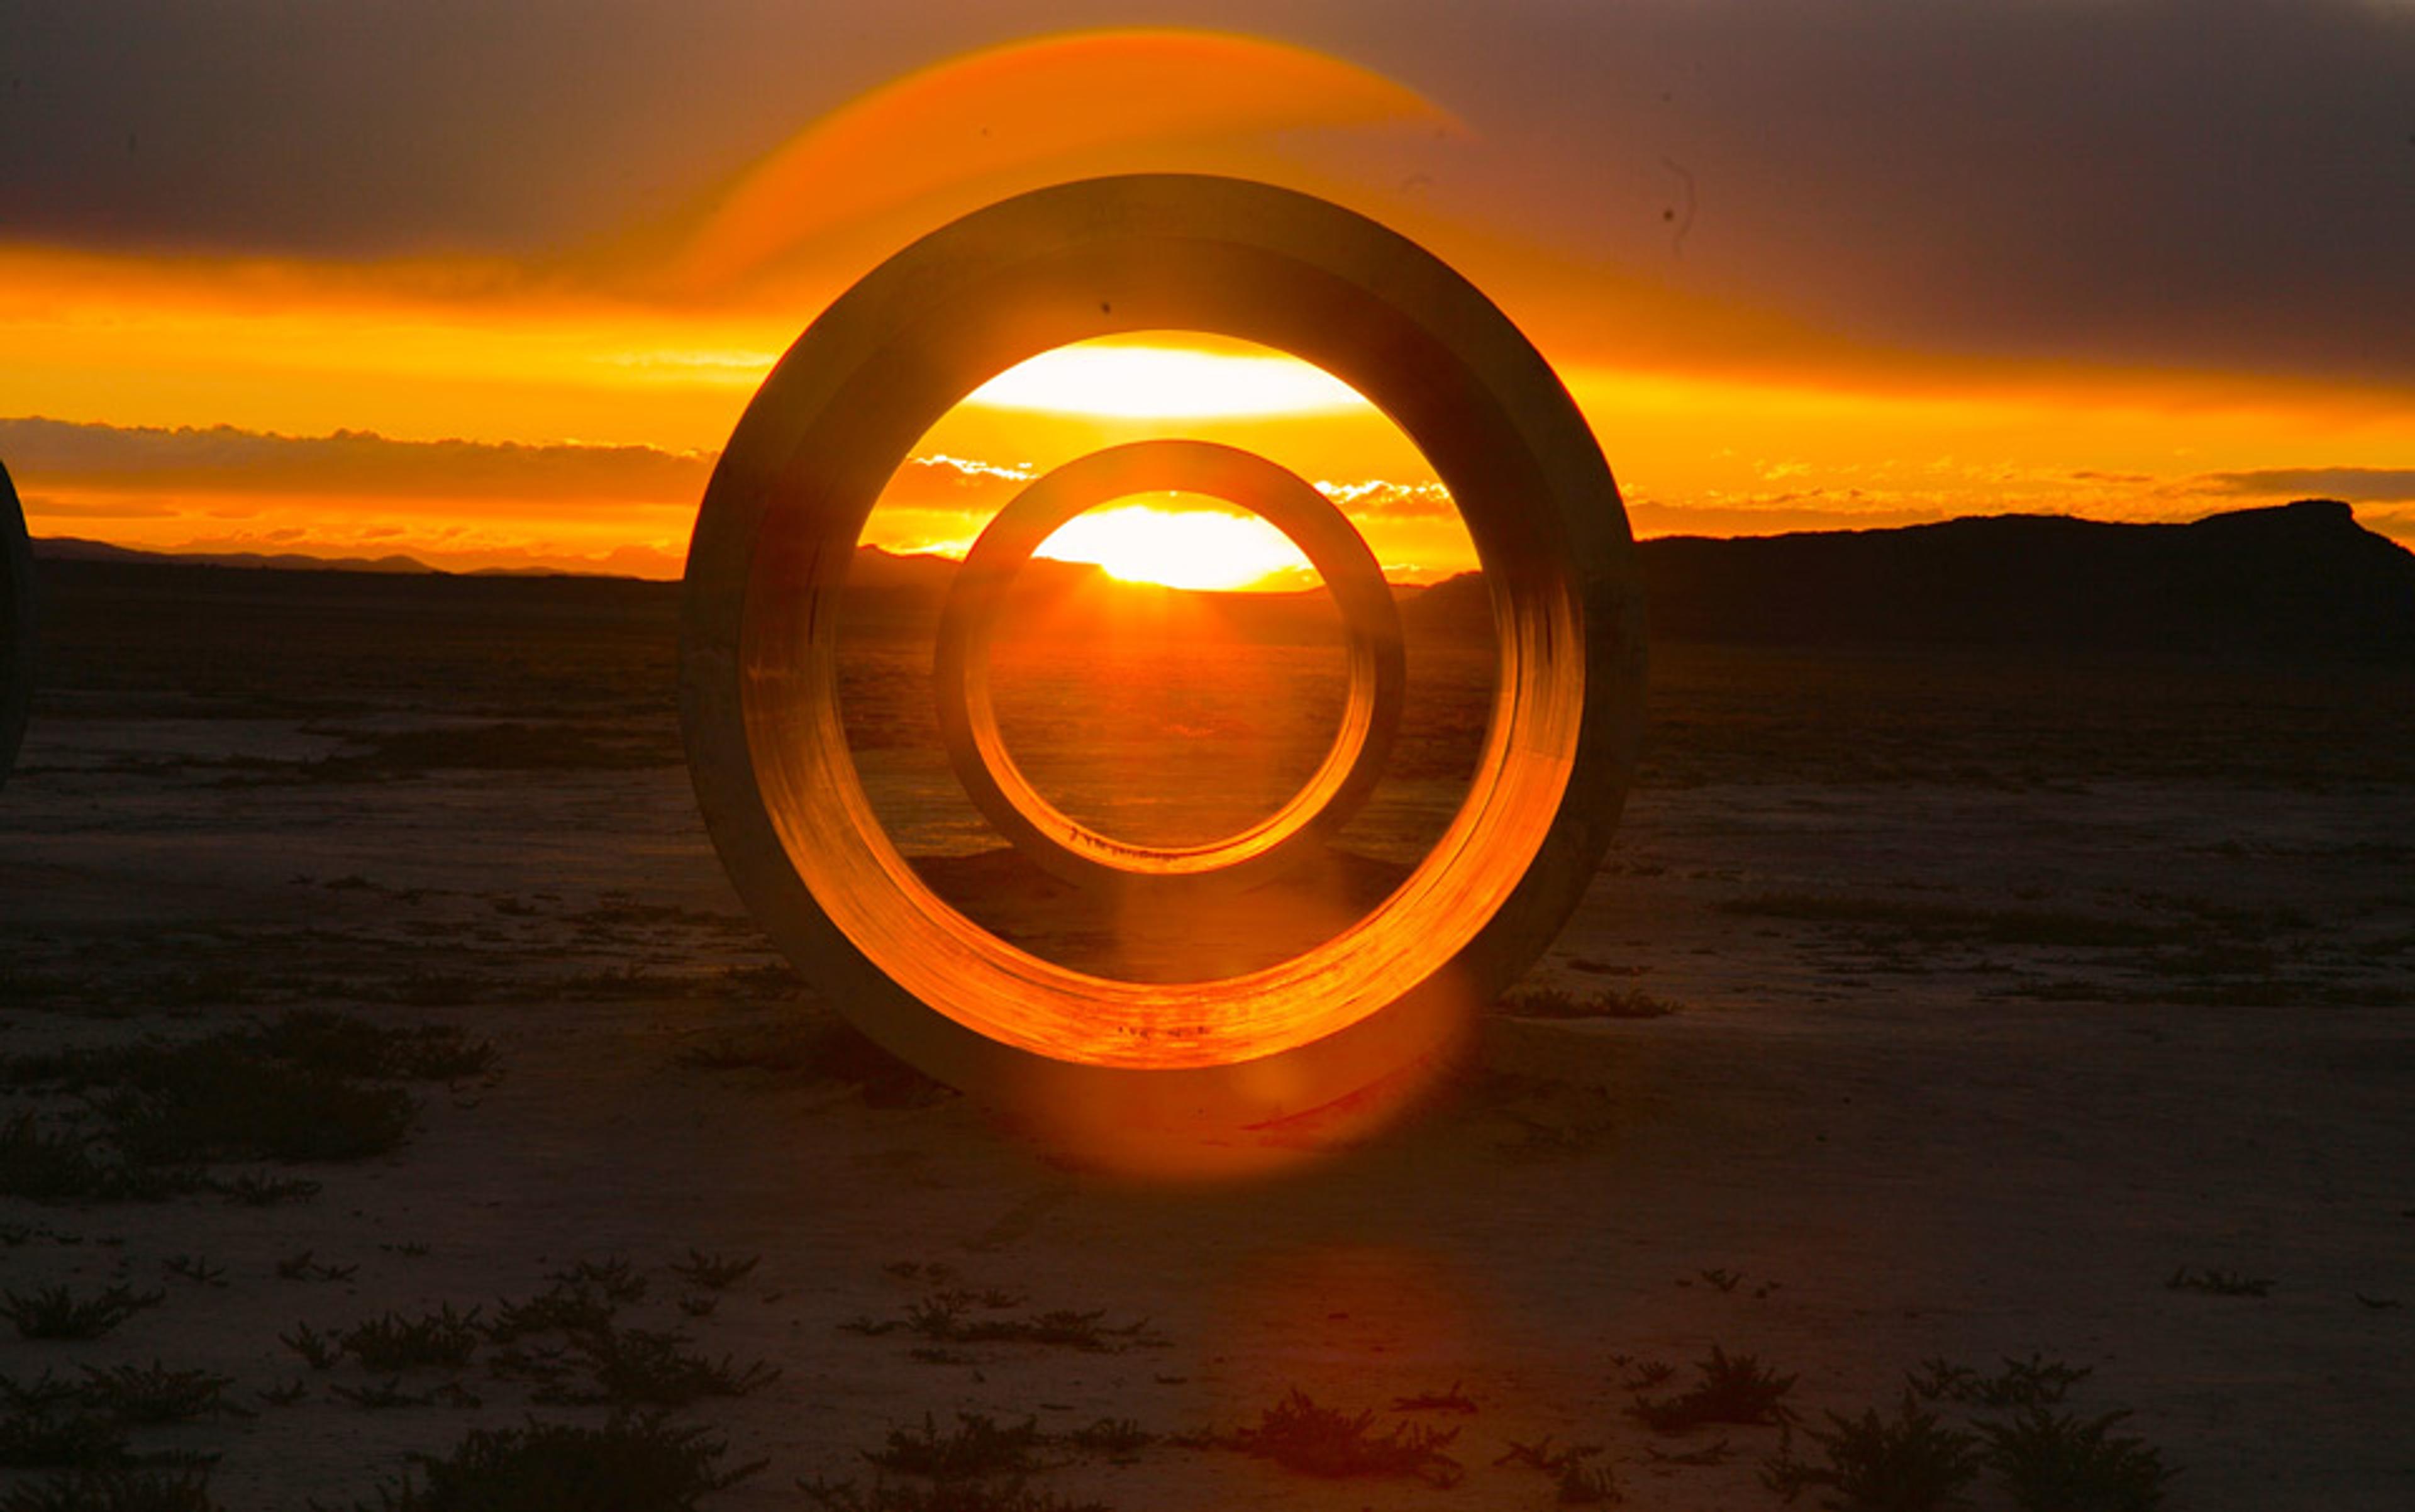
[2354, 485]
[58, 454]
[2228, 183]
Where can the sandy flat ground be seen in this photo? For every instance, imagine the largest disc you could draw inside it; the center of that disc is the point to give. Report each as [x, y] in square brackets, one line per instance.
[1911, 1106]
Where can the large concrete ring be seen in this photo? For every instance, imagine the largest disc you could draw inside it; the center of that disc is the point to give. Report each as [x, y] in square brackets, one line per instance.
[16, 625]
[1103, 1063]
[1164, 875]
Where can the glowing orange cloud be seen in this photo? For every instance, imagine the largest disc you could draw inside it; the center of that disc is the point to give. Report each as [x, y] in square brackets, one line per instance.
[1097, 96]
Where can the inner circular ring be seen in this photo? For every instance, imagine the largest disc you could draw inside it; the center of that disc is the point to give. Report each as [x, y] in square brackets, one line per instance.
[1353, 764]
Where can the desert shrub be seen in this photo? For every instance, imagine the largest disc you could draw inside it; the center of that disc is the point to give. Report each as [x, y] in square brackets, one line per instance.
[340, 1044]
[634, 1464]
[950, 1317]
[317, 1350]
[2061, 1463]
[1729, 1390]
[639, 1368]
[393, 1343]
[1909, 1462]
[310, 1087]
[2218, 1283]
[1116, 1437]
[1574, 1481]
[612, 1278]
[46, 1167]
[566, 1307]
[2036, 1382]
[117, 1490]
[1300, 1435]
[976, 1449]
[1607, 1003]
[153, 1394]
[938, 1496]
[251, 1190]
[50, 1438]
[56, 1312]
[713, 1272]
[214, 1100]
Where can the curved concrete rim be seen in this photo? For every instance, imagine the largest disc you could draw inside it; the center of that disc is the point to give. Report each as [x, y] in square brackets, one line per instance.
[1092, 1059]
[1164, 875]
[16, 625]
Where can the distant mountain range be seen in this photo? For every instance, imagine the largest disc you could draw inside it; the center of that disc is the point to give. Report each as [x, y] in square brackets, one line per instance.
[71, 549]
[2300, 580]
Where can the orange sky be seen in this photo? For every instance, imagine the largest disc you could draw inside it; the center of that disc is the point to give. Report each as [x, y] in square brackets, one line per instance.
[558, 403]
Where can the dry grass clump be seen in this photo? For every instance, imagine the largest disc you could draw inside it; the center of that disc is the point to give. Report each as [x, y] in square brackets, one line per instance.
[2062, 1462]
[976, 1449]
[57, 1312]
[116, 1489]
[1606, 1003]
[977, 1466]
[632, 1463]
[963, 1317]
[1309, 1439]
[1736, 1390]
[1574, 1482]
[443, 1339]
[2218, 1283]
[1908, 1462]
[2036, 1382]
[312, 1086]
[2044, 1461]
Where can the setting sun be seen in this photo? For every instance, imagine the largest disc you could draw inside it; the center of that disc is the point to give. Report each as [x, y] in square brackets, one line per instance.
[1195, 549]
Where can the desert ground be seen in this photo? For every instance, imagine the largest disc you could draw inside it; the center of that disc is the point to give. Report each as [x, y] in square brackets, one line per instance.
[1932, 1010]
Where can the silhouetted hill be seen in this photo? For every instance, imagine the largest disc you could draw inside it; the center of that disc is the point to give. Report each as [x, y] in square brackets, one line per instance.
[70, 548]
[2300, 579]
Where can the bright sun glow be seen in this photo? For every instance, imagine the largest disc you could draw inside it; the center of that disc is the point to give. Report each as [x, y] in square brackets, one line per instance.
[1157, 383]
[1180, 548]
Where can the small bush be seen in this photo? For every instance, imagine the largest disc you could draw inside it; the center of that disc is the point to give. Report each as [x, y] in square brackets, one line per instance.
[1906, 1464]
[940, 1496]
[636, 1367]
[339, 1045]
[45, 1167]
[614, 1279]
[393, 1342]
[49, 1439]
[317, 1350]
[2060, 1462]
[155, 1393]
[212, 1102]
[2036, 1382]
[306, 1087]
[977, 1449]
[1606, 1003]
[196, 1270]
[948, 1318]
[249, 1191]
[1734, 1389]
[634, 1464]
[569, 1306]
[1301, 1436]
[55, 1312]
[1118, 1438]
[2218, 1283]
[1453, 1400]
[1574, 1482]
[713, 1272]
[117, 1490]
